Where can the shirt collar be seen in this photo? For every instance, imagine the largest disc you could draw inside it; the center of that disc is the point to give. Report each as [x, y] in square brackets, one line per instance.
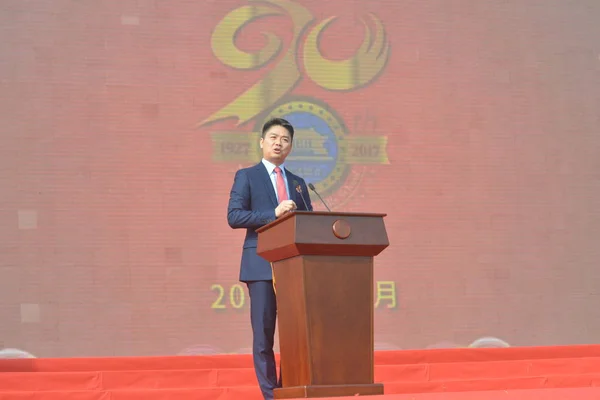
[270, 166]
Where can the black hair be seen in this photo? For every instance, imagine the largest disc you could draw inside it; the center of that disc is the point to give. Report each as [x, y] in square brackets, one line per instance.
[277, 122]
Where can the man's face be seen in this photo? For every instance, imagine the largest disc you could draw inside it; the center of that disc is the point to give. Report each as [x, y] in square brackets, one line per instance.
[276, 145]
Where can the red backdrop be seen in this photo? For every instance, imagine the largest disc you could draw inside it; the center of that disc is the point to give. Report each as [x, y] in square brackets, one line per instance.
[473, 125]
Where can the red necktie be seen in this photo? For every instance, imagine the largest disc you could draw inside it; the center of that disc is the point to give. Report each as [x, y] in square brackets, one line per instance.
[281, 192]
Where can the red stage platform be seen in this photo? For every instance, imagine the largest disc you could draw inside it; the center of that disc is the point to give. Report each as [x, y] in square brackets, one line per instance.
[571, 372]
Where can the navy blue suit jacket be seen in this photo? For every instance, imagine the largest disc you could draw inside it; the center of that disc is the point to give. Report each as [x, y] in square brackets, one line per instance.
[252, 203]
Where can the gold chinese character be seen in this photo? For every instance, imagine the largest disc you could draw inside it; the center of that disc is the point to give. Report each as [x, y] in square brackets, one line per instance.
[386, 291]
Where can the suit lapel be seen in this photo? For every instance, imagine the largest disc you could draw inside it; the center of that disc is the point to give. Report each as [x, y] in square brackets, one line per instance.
[290, 183]
[264, 176]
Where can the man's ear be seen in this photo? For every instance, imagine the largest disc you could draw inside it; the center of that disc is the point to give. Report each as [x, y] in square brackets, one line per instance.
[261, 142]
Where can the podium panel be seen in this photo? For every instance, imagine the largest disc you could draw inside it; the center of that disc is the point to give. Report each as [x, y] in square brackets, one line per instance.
[323, 269]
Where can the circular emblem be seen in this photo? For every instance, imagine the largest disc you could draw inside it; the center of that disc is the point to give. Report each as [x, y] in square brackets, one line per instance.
[318, 154]
[341, 229]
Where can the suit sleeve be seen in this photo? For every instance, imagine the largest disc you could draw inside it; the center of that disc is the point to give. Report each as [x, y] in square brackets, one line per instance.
[307, 196]
[239, 212]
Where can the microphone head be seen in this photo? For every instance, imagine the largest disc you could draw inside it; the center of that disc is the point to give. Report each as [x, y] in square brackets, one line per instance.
[311, 186]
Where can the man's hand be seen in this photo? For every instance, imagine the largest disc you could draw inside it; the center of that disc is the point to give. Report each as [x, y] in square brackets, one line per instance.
[284, 207]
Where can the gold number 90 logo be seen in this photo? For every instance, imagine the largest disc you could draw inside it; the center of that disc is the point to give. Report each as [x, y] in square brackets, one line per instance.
[352, 73]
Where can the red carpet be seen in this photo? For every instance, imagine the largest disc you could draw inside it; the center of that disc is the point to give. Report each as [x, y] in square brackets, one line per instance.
[512, 373]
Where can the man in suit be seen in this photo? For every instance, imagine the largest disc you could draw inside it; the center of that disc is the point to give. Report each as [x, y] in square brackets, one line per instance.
[261, 194]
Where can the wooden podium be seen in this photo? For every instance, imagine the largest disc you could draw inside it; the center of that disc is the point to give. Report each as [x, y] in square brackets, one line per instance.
[323, 272]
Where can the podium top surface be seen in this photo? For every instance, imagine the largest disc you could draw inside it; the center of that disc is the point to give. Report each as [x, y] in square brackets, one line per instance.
[323, 213]
[322, 233]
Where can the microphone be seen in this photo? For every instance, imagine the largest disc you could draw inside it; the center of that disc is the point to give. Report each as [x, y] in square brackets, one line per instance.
[299, 190]
[312, 187]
